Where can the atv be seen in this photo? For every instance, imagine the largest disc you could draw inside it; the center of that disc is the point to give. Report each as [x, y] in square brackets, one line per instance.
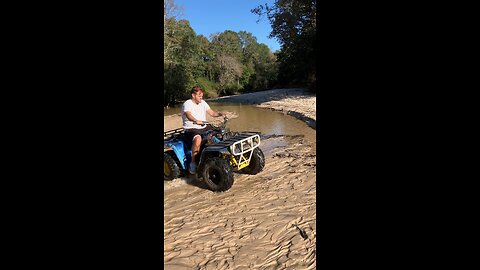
[222, 153]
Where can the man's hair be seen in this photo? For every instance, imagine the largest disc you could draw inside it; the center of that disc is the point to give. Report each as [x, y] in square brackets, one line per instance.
[195, 89]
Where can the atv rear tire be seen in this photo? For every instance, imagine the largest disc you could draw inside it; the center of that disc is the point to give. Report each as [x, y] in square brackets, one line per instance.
[257, 163]
[217, 174]
[170, 167]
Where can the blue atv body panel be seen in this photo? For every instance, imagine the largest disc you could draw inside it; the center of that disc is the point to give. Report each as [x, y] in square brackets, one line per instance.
[178, 147]
[176, 142]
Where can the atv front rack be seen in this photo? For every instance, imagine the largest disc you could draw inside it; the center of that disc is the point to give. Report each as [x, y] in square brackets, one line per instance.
[239, 148]
[243, 148]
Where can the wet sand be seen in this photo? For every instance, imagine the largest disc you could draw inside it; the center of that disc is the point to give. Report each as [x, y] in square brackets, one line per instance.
[265, 221]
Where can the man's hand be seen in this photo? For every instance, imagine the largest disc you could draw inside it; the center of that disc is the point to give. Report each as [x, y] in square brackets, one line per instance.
[213, 113]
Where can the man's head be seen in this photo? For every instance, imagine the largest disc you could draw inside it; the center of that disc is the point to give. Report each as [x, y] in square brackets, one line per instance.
[197, 94]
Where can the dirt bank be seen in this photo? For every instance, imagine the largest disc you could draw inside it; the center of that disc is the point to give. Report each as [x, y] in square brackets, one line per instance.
[265, 221]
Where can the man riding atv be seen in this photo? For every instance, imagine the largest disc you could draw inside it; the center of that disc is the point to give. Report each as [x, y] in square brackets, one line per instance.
[193, 116]
[211, 153]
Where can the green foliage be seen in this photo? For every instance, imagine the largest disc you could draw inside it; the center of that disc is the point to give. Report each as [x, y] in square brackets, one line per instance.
[294, 26]
[181, 53]
[209, 88]
[231, 89]
[227, 43]
[177, 79]
[229, 63]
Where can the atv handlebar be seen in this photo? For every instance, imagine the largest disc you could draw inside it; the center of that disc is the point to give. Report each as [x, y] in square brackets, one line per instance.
[225, 120]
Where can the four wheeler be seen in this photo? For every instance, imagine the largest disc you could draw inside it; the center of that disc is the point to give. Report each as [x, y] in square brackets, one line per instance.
[222, 152]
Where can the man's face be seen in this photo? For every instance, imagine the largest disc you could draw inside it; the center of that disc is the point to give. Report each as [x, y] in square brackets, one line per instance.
[197, 97]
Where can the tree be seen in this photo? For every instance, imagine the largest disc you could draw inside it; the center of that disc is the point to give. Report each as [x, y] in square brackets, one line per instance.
[226, 51]
[265, 68]
[227, 43]
[227, 63]
[230, 70]
[170, 14]
[179, 64]
[294, 26]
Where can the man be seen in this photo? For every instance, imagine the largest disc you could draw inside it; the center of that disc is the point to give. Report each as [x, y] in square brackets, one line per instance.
[193, 114]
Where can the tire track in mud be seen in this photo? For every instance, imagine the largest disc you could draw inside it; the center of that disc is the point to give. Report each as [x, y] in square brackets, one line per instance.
[265, 221]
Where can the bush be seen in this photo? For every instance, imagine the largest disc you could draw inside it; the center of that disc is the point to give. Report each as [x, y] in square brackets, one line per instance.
[209, 87]
[233, 89]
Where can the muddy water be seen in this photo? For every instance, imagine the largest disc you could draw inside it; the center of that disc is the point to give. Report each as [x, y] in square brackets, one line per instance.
[268, 122]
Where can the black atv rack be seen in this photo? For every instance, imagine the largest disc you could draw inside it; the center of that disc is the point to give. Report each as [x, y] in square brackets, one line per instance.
[231, 141]
[167, 135]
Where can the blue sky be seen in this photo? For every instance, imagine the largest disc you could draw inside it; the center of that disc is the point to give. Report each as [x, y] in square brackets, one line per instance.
[211, 16]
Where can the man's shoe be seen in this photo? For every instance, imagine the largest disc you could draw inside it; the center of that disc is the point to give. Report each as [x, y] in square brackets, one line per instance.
[192, 168]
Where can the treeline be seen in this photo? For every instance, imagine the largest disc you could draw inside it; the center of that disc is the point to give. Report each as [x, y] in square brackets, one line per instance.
[234, 62]
[294, 26]
[228, 63]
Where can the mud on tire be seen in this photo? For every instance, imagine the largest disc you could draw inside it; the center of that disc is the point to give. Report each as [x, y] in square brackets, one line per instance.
[257, 163]
[170, 167]
[217, 174]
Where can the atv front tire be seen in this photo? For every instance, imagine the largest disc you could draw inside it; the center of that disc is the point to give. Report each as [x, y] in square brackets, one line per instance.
[257, 163]
[217, 174]
[170, 167]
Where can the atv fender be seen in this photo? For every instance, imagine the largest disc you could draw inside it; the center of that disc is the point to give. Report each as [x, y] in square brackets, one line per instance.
[179, 150]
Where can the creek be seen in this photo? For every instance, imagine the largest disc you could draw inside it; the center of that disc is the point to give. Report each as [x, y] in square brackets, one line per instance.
[250, 118]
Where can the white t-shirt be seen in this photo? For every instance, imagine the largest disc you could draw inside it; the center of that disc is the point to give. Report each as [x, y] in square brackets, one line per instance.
[199, 111]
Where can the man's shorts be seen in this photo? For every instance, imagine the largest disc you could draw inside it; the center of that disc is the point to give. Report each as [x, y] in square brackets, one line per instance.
[192, 132]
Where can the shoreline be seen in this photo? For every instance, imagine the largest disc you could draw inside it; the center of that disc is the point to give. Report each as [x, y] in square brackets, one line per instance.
[301, 104]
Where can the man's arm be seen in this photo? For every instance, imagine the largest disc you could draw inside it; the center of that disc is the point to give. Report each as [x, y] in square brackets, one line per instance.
[214, 113]
[191, 118]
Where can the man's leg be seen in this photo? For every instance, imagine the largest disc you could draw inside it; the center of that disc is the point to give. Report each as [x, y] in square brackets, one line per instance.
[195, 148]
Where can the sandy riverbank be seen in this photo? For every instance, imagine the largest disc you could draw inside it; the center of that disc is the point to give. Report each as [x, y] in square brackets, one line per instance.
[265, 221]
